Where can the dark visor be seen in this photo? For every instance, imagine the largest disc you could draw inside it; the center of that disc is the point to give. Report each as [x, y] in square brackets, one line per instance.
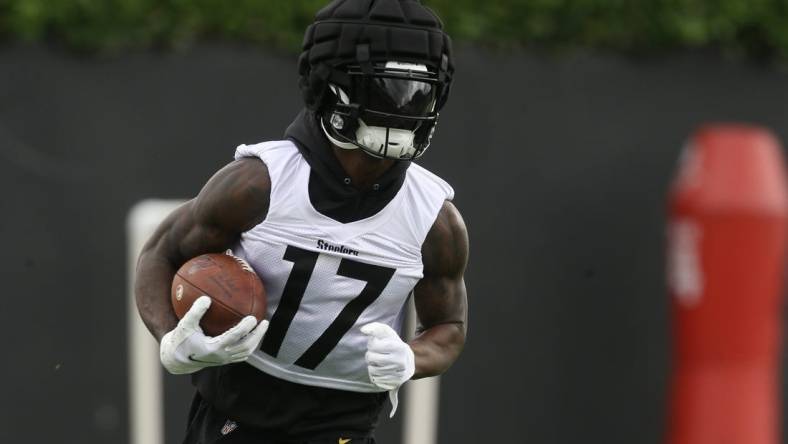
[404, 97]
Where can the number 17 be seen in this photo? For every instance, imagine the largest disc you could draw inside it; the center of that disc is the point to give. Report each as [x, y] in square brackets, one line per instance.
[304, 261]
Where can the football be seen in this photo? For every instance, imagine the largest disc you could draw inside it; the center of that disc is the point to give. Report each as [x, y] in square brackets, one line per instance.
[235, 289]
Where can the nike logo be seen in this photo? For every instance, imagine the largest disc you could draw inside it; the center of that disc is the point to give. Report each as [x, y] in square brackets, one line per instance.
[343, 441]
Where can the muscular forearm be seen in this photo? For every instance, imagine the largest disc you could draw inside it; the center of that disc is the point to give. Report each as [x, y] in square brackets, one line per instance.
[436, 349]
[152, 291]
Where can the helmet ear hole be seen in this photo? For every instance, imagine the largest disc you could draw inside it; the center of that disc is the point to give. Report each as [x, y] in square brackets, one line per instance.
[337, 122]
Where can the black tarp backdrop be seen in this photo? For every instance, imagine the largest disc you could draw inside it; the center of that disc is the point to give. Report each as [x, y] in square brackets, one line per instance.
[560, 166]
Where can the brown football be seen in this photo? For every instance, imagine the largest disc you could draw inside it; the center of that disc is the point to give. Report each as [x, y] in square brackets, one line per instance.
[236, 291]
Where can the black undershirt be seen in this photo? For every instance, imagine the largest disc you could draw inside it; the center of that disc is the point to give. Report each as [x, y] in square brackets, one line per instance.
[331, 191]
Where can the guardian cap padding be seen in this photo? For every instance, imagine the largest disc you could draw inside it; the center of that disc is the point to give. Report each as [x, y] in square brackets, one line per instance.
[368, 33]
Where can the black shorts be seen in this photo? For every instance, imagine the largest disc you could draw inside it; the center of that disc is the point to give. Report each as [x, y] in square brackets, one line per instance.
[240, 404]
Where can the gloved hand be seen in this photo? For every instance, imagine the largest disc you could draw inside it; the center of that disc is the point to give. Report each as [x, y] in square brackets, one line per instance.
[390, 361]
[187, 349]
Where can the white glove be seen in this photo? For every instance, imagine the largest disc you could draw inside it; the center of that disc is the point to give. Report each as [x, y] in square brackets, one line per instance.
[390, 361]
[186, 349]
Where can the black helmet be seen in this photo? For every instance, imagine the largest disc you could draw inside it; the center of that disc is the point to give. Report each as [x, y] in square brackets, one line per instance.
[377, 72]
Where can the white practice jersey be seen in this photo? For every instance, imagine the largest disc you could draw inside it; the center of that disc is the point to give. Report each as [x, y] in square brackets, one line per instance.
[325, 279]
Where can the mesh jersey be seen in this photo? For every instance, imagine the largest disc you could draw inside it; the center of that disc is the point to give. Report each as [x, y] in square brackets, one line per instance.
[325, 279]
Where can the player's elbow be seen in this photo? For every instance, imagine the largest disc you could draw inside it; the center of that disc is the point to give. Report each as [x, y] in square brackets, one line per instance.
[439, 347]
[457, 342]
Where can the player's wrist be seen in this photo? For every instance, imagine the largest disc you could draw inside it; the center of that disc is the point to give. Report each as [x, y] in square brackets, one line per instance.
[160, 332]
[410, 364]
[173, 353]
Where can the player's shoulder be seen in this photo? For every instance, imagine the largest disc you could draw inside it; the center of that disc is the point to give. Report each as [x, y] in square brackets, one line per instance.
[445, 250]
[266, 150]
[425, 177]
[237, 196]
[449, 224]
[281, 157]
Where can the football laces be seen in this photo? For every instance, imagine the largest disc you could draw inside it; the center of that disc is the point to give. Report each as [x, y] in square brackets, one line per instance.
[245, 265]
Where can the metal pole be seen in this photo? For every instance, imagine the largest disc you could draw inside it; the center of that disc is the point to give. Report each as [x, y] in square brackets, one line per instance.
[146, 407]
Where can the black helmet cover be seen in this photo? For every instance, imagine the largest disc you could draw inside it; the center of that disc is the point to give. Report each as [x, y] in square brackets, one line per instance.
[350, 44]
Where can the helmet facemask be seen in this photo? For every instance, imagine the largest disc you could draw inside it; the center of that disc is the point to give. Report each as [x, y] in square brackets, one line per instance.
[388, 110]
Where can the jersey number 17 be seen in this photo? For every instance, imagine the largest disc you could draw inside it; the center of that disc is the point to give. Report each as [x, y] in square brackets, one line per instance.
[376, 277]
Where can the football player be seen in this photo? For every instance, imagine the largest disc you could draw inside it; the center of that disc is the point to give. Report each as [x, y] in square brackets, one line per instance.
[342, 227]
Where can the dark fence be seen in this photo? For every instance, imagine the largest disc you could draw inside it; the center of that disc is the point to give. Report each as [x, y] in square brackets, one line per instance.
[560, 166]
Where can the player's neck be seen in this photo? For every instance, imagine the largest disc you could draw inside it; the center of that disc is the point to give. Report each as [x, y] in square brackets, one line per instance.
[362, 168]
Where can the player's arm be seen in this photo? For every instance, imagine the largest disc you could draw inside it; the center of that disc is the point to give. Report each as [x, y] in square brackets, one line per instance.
[441, 306]
[234, 200]
[440, 297]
